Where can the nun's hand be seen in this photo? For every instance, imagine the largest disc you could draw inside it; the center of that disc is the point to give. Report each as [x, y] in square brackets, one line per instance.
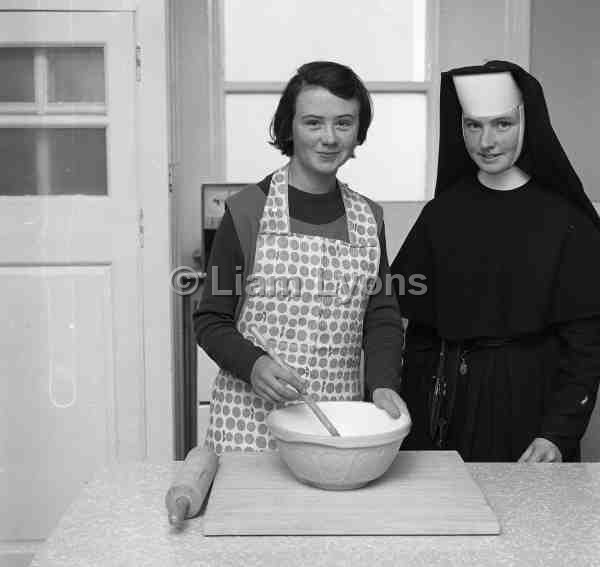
[275, 383]
[541, 451]
[388, 400]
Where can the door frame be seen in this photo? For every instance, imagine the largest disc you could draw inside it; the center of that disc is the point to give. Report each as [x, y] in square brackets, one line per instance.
[155, 200]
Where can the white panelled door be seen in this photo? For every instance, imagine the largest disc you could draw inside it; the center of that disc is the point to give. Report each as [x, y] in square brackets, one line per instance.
[71, 352]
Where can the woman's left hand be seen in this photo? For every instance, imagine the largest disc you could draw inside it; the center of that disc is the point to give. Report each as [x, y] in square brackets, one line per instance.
[388, 400]
[541, 451]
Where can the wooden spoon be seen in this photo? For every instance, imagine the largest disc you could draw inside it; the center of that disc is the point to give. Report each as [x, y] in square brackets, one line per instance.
[305, 397]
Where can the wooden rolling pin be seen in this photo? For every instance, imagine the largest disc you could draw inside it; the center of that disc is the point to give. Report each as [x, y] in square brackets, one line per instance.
[305, 397]
[192, 482]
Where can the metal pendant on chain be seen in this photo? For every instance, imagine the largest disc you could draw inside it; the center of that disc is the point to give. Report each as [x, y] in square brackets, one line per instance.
[463, 368]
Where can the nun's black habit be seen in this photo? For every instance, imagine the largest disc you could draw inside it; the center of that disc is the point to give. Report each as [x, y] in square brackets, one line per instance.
[513, 286]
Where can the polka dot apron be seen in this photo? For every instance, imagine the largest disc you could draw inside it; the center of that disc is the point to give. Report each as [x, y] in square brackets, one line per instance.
[308, 296]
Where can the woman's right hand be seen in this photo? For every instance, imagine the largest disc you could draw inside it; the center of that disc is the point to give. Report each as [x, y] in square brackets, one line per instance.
[272, 381]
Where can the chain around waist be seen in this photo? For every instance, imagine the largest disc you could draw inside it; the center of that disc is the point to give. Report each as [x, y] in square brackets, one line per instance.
[497, 342]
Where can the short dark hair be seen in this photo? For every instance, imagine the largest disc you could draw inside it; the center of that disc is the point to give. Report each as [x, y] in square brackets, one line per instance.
[337, 79]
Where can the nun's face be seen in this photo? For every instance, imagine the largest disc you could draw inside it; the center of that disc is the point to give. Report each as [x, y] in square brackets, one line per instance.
[492, 142]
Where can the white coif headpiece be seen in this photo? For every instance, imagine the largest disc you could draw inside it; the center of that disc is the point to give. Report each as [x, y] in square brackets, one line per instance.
[488, 94]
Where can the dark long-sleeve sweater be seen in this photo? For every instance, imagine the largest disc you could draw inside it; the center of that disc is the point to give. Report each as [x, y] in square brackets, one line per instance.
[214, 320]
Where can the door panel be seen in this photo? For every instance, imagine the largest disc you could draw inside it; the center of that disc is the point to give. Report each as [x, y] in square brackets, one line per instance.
[56, 423]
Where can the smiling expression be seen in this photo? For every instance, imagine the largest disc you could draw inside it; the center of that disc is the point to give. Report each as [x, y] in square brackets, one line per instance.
[324, 130]
[493, 142]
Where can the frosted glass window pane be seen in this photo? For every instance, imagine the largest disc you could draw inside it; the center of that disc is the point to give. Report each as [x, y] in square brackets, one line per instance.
[390, 166]
[76, 74]
[382, 40]
[16, 75]
[78, 158]
[249, 157]
[17, 162]
[60, 161]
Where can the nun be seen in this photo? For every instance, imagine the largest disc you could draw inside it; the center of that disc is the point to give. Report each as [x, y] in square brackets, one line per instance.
[502, 353]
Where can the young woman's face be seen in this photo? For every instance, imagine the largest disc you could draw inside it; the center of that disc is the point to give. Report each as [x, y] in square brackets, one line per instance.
[324, 130]
[493, 142]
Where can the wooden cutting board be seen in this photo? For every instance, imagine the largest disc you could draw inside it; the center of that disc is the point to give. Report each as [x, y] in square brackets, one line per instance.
[422, 493]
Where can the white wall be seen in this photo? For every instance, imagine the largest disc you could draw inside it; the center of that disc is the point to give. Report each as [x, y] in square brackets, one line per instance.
[565, 57]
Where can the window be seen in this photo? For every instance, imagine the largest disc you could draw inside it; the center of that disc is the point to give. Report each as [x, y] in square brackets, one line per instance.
[390, 46]
[52, 121]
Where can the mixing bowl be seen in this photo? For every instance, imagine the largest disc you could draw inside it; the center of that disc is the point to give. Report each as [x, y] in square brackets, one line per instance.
[368, 443]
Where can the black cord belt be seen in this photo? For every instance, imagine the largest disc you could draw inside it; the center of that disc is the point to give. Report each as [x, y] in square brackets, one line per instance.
[472, 344]
[495, 342]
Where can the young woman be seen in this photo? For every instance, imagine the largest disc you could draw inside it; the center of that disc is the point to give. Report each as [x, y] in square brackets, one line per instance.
[503, 351]
[306, 250]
